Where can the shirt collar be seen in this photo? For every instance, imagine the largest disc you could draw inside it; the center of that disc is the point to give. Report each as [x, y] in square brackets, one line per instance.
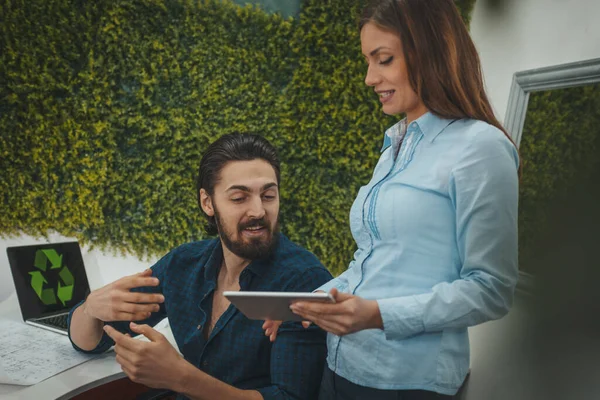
[428, 124]
[211, 268]
[387, 137]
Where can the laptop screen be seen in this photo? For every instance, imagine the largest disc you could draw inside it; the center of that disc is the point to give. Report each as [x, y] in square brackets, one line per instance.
[48, 277]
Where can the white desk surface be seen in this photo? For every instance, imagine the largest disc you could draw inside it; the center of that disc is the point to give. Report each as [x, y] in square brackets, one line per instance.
[66, 384]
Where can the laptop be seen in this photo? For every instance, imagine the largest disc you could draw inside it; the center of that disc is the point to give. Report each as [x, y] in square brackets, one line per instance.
[49, 280]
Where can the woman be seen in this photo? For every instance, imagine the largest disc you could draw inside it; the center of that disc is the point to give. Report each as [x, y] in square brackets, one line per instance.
[436, 227]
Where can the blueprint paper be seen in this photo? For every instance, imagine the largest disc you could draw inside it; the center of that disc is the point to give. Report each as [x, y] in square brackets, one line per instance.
[29, 355]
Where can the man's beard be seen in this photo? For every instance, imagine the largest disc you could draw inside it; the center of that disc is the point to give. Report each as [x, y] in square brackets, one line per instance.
[255, 248]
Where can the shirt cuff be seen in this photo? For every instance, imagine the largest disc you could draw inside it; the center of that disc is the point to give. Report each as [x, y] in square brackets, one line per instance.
[334, 283]
[402, 317]
[104, 344]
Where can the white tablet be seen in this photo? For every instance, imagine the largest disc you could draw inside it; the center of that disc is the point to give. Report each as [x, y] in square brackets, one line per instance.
[273, 305]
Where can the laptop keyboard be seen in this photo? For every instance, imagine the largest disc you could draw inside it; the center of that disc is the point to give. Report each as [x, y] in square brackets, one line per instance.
[58, 321]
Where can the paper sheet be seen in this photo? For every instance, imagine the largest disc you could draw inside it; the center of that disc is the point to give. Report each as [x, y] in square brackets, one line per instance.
[29, 355]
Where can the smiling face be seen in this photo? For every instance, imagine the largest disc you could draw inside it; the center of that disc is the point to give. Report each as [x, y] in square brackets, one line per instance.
[387, 72]
[245, 204]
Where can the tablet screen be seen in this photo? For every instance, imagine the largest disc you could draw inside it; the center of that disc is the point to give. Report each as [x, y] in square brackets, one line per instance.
[272, 305]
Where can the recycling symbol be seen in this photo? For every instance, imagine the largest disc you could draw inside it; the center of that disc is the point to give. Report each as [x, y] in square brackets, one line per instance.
[48, 295]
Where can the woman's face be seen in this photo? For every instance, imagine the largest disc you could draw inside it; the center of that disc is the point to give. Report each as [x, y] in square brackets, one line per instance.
[387, 72]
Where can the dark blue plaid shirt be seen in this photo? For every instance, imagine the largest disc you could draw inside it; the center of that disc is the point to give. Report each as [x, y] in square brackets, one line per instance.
[237, 351]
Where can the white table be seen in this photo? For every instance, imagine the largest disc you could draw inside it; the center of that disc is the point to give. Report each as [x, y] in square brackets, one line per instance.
[68, 383]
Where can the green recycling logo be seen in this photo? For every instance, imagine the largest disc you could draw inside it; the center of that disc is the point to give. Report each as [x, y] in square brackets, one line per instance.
[47, 295]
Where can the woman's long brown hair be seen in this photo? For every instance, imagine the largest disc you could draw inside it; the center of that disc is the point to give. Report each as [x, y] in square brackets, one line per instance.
[443, 64]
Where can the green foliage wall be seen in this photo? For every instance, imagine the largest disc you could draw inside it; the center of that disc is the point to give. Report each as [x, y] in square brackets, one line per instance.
[560, 149]
[286, 8]
[106, 108]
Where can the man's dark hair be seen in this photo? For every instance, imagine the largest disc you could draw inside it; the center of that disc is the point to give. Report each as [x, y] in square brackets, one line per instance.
[231, 147]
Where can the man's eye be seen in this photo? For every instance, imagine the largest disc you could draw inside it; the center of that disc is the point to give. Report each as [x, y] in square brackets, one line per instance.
[387, 60]
[237, 199]
[269, 197]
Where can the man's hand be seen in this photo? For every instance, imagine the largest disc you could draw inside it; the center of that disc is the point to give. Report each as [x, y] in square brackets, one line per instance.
[155, 364]
[115, 302]
[271, 328]
[349, 314]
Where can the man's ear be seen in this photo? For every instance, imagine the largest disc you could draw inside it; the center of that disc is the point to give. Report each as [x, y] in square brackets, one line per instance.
[206, 203]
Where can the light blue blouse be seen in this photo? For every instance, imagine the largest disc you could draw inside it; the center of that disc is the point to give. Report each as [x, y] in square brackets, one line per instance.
[436, 230]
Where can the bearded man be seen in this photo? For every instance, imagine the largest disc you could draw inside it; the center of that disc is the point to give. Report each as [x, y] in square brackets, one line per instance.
[225, 355]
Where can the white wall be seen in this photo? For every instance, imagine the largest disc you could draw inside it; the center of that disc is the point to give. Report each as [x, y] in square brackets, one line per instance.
[521, 35]
[101, 267]
[526, 34]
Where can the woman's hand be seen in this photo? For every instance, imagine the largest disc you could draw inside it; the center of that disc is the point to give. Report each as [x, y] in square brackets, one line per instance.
[348, 314]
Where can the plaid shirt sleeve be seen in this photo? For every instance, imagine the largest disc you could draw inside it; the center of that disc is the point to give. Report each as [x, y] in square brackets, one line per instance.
[298, 354]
